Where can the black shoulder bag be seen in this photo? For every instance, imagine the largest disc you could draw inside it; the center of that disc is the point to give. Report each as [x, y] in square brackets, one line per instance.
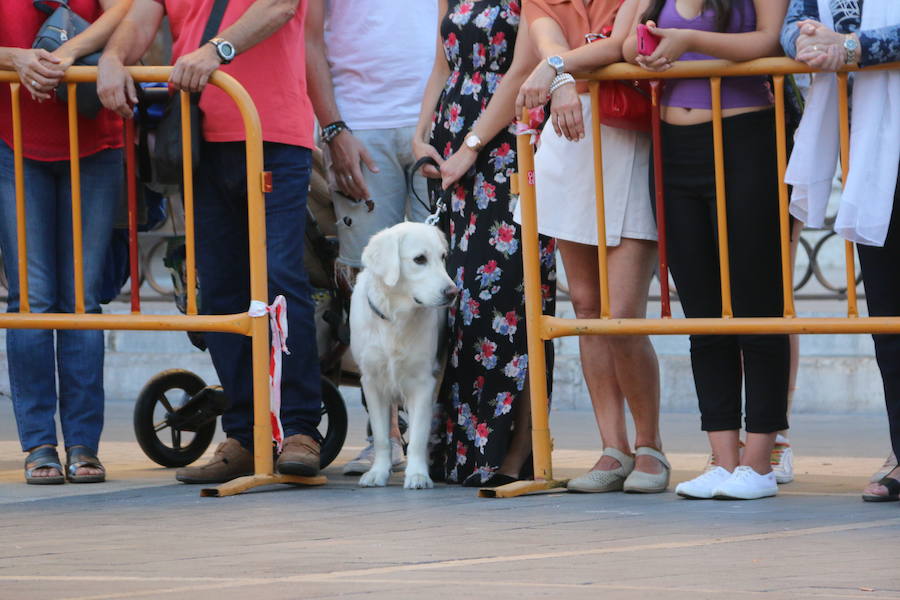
[167, 160]
[62, 25]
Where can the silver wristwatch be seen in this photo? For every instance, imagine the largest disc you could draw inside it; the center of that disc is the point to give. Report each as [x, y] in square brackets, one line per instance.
[224, 49]
[852, 48]
[557, 63]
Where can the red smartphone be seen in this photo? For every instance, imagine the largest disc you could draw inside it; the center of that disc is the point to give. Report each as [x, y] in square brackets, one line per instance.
[646, 41]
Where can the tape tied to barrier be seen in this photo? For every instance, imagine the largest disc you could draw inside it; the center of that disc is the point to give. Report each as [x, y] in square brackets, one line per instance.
[533, 126]
[277, 313]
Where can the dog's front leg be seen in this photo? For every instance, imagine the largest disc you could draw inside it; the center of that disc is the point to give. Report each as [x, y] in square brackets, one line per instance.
[420, 409]
[380, 419]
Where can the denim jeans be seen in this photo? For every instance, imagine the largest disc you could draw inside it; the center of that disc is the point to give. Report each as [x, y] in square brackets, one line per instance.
[41, 360]
[224, 279]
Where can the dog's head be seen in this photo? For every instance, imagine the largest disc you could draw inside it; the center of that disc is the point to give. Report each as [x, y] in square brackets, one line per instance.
[408, 260]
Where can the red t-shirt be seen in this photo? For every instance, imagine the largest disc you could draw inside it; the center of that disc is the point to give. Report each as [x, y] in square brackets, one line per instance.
[45, 126]
[273, 71]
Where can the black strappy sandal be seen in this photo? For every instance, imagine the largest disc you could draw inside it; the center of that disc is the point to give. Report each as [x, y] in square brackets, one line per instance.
[893, 488]
[80, 457]
[43, 458]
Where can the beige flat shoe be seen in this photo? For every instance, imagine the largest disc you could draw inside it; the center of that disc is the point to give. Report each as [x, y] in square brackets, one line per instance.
[604, 481]
[639, 482]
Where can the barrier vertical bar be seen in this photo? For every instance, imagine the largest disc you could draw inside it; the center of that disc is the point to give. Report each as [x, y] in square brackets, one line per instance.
[721, 214]
[603, 261]
[188, 187]
[663, 253]
[75, 170]
[787, 268]
[844, 117]
[19, 166]
[131, 186]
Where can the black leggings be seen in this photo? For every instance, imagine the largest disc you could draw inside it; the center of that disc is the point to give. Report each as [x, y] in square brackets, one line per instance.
[879, 270]
[720, 362]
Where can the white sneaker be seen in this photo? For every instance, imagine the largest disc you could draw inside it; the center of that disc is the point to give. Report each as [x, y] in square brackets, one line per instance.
[703, 486]
[889, 465]
[366, 458]
[782, 460]
[746, 484]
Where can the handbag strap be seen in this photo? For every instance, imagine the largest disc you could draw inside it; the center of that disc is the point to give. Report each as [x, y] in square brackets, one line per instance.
[44, 5]
[214, 21]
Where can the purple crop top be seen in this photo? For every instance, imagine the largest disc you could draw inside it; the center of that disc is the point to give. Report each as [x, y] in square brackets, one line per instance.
[737, 92]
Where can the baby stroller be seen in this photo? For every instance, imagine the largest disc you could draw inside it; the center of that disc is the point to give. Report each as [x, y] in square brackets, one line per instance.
[176, 411]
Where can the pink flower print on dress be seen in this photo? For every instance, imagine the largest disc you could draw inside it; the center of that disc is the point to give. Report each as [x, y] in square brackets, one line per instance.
[506, 324]
[503, 238]
[454, 118]
[472, 85]
[502, 158]
[464, 242]
[469, 307]
[485, 353]
[488, 273]
[485, 192]
[517, 369]
[458, 200]
[498, 44]
[461, 452]
[503, 403]
[479, 55]
[481, 436]
[451, 47]
[463, 13]
[485, 19]
[478, 387]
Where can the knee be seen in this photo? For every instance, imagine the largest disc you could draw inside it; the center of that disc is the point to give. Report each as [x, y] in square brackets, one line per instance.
[585, 302]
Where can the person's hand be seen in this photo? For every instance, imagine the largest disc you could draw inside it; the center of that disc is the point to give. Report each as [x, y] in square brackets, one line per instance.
[457, 165]
[672, 44]
[38, 70]
[422, 149]
[193, 70]
[820, 47]
[65, 59]
[536, 89]
[347, 155]
[565, 112]
[115, 87]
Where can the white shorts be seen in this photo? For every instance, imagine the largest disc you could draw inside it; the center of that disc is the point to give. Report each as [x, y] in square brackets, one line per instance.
[564, 177]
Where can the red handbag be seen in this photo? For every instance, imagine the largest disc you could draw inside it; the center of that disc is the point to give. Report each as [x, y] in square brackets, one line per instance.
[625, 104]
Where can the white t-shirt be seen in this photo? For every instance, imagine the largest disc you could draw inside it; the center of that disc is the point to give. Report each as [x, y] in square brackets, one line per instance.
[380, 53]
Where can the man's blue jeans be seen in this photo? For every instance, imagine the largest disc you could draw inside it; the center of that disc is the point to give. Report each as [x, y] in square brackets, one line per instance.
[36, 357]
[224, 279]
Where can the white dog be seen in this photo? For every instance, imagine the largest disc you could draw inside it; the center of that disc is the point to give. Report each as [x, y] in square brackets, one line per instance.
[397, 315]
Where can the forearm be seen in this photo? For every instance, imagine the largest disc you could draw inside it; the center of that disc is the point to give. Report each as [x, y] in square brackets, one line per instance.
[319, 84]
[260, 21]
[501, 110]
[433, 90]
[6, 58]
[878, 46]
[798, 11]
[135, 33]
[98, 34]
[737, 47]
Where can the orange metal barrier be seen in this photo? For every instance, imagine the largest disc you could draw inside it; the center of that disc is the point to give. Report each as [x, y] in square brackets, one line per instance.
[255, 327]
[542, 327]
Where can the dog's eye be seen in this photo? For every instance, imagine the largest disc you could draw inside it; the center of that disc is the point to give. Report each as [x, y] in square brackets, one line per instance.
[420, 259]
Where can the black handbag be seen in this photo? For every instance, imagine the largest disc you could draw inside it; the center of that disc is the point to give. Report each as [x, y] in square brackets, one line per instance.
[62, 25]
[168, 162]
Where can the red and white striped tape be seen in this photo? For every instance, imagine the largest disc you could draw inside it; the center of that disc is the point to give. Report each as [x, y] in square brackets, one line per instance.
[277, 312]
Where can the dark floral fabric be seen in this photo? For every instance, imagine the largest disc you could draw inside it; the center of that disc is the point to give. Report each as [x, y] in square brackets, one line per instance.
[488, 358]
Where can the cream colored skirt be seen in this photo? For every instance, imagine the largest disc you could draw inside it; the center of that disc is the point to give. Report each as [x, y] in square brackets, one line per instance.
[564, 178]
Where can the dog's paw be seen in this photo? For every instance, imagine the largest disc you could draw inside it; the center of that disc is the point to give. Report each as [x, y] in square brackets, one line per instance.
[373, 478]
[417, 481]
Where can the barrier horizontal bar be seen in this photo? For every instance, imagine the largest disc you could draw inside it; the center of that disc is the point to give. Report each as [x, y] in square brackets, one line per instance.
[238, 323]
[554, 327]
[717, 68]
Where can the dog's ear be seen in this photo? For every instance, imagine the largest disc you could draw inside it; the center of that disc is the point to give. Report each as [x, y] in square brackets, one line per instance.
[382, 256]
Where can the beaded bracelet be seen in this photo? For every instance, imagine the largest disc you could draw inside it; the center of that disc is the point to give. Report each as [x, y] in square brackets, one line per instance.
[331, 131]
[561, 80]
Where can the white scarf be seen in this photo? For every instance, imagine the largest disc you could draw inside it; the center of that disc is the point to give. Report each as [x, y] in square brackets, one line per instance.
[868, 198]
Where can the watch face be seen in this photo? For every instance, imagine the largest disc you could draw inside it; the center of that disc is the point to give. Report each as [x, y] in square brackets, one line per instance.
[851, 44]
[472, 141]
[556, 62]
[227, 50]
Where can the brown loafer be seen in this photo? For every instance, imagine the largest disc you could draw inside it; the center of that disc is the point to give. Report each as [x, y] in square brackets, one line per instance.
[230, 461]
[299, 456]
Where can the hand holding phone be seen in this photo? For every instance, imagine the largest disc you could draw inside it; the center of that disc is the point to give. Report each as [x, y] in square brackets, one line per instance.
[646, 41]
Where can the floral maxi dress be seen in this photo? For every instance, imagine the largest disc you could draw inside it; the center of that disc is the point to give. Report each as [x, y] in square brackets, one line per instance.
[488, 356]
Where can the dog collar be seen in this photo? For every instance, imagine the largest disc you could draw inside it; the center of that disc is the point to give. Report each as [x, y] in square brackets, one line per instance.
[375, 309]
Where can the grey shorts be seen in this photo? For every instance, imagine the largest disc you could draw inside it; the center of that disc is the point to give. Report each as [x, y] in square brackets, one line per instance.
[391, 149]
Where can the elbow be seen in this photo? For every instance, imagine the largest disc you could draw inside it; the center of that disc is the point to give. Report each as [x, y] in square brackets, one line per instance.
[284, 10]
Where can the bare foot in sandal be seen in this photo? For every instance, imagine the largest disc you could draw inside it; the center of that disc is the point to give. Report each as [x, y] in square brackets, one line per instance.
[42, 466]
[83, 466]
[885, 490]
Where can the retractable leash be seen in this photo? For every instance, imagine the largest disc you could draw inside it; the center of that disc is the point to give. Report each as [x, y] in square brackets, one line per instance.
[656, 131]
[440, 205]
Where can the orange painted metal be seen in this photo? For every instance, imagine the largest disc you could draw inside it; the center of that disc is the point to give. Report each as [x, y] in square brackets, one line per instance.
[784, 221]
[131, 187]
[75, 170]
[665, 298]
[19, 166]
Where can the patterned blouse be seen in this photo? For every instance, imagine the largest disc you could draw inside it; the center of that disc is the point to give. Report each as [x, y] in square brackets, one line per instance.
[877, 45]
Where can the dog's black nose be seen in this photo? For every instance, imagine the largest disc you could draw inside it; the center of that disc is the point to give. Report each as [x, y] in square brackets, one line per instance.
[450, 292]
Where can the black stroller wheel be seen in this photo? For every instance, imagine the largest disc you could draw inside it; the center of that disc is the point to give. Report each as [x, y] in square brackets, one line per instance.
[333, 426]
[164, 443]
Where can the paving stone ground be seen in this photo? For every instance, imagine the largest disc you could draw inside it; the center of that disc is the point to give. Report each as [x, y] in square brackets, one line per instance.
[142, 535]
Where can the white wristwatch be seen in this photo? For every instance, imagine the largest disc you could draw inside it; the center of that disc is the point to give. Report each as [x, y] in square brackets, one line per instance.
[557, 63]
[473, 142]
